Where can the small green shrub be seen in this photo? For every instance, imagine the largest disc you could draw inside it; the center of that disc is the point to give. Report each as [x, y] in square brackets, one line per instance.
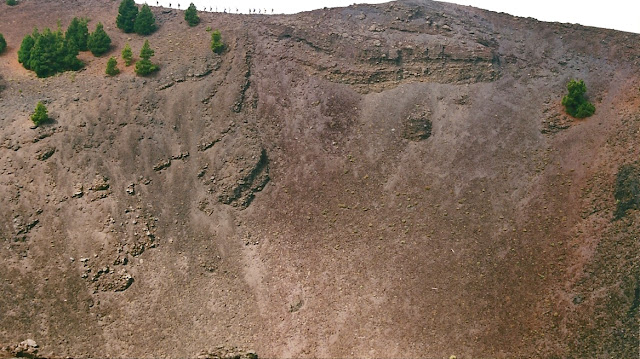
[127, 55]
[627, 191]
[12, 2]
[217, 45]
[191, 15]
[146, 52]
[99, 42]
[208, 29]
[40, 115]
[145, 22]
[3, 43]
[112, 67]
[144, 65]
[575, 102]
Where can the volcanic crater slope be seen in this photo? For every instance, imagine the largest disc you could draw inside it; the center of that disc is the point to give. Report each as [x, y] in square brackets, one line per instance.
[393, 180]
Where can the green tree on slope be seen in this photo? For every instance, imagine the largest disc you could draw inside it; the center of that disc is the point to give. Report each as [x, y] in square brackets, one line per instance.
[99, 42]
[40, 114]
[127, 54]
[127, 13]
[3, 43]
[112, 67]
[217, 45]
[191, 15]
[575, 102]
[144, 65]
[77, 34]
[145, 23]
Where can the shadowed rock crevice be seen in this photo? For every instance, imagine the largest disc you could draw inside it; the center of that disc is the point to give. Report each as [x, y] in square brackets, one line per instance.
[242, 192]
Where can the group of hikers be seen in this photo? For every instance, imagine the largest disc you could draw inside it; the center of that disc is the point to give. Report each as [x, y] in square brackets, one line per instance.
[225, 10]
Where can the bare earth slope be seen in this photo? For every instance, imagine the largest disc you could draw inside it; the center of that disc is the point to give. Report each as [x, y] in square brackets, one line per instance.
[397, 180]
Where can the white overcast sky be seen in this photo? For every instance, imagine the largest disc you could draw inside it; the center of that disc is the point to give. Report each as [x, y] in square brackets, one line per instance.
[613, 14]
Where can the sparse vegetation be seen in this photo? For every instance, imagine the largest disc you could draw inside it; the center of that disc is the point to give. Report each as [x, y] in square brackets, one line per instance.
[77, 34]
[191, 15]
[145, 22]
[144, 65]
[127, 13]
[99, 42]
[12, 2]
[575, 102]
[48, 53]
[112, 67]
[3, 43]
[217, 45]
[40, 115]
[627, 192]
[127, 55]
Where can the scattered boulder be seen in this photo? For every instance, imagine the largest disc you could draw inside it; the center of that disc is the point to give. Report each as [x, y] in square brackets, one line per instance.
[22, 226]
[123, 281]
[162, 165]
[222, 352]
[578, 299]
[107, 280]
[417, 126]
[101, 183]
[131, 189]
[376, 28]
[26, 349]
[556, 123]
[166, 85]
[180, 156]
[46, 153]
[78, 190]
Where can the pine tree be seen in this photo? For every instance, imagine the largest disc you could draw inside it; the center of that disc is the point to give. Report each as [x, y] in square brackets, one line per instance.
[144, 66]
[216, 42]
[145, 23]
[191, 15]
[24, 54]
[44, 55]
[575, 102]
[3, 43]
[127, 55]
[48, 53]
[146, 51]
[12, 2]
[112, 68]
[127, 13]
[99, 42]
[67, 53]
[40, 114]
[78, 33]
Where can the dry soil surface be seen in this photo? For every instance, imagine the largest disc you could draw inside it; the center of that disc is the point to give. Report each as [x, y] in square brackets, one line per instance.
[395, 180]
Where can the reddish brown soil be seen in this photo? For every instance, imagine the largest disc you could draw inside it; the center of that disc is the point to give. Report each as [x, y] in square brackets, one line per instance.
[286, 201]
